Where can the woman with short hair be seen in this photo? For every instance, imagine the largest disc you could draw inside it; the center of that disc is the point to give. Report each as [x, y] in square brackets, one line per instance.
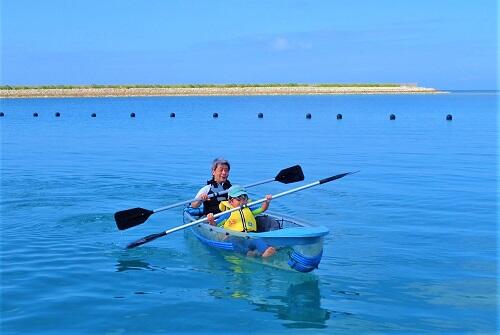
[208, 194]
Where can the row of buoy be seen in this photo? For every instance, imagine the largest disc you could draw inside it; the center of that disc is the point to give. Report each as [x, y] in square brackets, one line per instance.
[449, 117]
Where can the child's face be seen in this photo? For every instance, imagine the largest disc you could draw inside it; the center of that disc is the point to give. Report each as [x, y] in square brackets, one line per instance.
[239, 201]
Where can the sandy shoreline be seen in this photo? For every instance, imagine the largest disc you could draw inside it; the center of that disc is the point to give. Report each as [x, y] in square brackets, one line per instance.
[208, 91]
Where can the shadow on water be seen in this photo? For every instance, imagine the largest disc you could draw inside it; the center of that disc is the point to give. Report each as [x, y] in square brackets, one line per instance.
[147, 259]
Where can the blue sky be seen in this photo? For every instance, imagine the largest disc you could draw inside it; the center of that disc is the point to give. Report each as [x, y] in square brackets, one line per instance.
[445, 44]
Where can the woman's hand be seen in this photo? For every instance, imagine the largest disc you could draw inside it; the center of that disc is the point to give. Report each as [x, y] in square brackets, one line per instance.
[199, 201]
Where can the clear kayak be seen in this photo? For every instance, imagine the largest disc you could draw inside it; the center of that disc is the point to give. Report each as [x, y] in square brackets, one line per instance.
[299, 245]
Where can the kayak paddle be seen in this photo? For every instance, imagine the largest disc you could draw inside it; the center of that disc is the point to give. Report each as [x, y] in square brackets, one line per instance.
[153, 237]
[135, 216]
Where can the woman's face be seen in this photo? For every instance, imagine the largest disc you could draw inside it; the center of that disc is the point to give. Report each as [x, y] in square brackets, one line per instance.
[221, 173]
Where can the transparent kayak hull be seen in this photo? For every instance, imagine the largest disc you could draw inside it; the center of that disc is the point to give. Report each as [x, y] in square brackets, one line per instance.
[299, 245]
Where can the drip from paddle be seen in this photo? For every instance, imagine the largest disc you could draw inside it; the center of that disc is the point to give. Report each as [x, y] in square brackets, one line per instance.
[153, 237]
[135, 216]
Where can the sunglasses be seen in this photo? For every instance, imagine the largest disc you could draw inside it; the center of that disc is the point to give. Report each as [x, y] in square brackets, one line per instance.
[240, 198]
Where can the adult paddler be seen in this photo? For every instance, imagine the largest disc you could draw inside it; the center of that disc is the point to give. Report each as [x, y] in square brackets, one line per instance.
[218, 183]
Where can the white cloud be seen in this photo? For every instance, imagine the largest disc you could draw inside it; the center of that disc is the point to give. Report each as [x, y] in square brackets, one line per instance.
[283, 44]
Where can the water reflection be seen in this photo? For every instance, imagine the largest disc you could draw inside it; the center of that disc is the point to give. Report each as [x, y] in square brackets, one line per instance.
[301, 304]
[292, 297]
[132, 264]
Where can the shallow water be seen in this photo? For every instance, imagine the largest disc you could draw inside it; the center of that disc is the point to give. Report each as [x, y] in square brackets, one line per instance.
[413, 242]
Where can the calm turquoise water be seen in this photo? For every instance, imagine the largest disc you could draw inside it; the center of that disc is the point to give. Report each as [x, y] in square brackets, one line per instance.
[413, 243]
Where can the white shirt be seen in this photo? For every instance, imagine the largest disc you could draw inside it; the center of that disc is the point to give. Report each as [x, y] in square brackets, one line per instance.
[205, 189]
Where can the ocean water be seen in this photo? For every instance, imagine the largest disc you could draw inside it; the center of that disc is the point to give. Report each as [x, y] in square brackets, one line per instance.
[413, 236]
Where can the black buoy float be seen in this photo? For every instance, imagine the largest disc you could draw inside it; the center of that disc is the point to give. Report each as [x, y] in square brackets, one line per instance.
[392, 117]
[215, 115]
[2, 114]
[260, 115]
[58, 114]
[172, 114]
[132, 114]
[449, 117]
[308, 116]
[35, 114]
[93, 115]
[339, 116]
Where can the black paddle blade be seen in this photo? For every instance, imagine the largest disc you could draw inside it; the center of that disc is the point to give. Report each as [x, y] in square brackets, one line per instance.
[131, 217]
[144, 240]
[290, 175]
[338, 176]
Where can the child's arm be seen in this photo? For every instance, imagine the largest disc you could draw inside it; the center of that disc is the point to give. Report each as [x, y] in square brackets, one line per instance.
[264, 207]
[265, 204]
[220, 220]
[210, 219]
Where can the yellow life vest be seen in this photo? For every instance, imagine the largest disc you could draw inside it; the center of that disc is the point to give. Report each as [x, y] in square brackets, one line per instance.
[240, 220]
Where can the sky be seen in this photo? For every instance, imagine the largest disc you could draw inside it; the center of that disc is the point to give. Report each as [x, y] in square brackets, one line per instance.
[444, 44]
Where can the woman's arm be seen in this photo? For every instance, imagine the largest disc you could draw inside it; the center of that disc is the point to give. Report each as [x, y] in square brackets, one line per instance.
[202, 195]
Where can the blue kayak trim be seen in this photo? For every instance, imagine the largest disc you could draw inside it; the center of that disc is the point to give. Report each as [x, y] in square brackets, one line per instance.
[297, 232]
[212, 243]
[302, 263]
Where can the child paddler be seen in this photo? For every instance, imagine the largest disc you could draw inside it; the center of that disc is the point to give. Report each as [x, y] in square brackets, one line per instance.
[242, 220]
